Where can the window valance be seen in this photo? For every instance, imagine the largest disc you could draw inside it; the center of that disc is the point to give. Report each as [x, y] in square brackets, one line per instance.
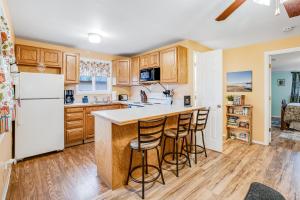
[90, 67]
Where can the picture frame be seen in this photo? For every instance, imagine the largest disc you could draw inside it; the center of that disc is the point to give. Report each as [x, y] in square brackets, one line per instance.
[240, 81]
[280, 82]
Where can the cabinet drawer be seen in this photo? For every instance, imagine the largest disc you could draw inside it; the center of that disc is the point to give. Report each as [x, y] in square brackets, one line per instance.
[74, 124]
[74, 116]
[72, 110]
[104, 107]
[74, 135]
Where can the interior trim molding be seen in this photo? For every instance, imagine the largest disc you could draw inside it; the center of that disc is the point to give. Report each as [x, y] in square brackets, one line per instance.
[6, 184]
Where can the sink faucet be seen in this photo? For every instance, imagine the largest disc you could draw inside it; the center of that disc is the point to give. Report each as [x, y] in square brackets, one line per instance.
[95, 99]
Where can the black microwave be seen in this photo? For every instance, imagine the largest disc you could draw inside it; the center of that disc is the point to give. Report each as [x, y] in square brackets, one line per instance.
[150, 74]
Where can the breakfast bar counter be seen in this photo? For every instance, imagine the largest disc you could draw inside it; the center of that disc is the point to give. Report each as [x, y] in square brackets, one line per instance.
[114, 129]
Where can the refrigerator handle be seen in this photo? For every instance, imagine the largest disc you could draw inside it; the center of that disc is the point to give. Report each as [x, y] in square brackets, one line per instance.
[18, 113]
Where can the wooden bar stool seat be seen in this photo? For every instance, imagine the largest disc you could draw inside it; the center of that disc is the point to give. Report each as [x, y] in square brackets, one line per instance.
[178, 134]
[149, 138]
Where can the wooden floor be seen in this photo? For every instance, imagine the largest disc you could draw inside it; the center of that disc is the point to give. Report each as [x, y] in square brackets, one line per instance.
[72, 175]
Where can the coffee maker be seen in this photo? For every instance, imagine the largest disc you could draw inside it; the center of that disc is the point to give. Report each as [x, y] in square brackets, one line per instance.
[69, 96]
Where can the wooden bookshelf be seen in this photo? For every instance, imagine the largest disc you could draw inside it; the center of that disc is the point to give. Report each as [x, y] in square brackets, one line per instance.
[239, 122]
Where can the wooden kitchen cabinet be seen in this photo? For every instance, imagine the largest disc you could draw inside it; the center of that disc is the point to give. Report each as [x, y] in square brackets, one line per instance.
[35, 56]
[71, 65]
[51, 58]
[174, 65]
[27, 55]
[154, 59]
[144, 61]
[74, 126]
[135, 70]
[80, 123]
[123, 72]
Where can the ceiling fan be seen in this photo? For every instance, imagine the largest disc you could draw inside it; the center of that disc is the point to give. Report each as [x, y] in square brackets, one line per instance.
[292, 7]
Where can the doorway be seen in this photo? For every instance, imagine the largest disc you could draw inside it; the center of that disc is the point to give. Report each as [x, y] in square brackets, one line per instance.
[282, 100]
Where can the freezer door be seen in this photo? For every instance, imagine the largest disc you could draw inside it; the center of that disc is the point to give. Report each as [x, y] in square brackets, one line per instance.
[39, 127]
[39, 86]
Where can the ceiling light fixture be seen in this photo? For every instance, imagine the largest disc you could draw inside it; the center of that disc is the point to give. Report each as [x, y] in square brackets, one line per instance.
[263, 2]
[94, 38]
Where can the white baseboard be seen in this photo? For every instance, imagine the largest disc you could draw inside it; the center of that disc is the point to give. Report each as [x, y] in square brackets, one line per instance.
[259, 142]
[275, 116]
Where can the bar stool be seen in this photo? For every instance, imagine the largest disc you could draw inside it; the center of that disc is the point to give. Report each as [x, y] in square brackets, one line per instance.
[177, 134]
[150, 134]
[199, 126]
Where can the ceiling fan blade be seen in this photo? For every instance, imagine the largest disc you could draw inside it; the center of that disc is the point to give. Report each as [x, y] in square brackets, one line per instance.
[226, 13]
[292, 7]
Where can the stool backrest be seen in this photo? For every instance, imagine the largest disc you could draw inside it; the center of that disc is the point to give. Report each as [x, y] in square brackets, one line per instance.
[184, 123]
[151, 130]
[201, 120]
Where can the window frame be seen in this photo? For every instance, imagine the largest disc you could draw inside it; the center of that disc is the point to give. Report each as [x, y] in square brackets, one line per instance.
[94, 91]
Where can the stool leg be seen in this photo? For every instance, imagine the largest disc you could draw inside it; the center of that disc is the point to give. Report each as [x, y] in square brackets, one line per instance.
[163, 151]
[146, 157]
[143, 174]
[131, 152]
[187, 153]
[191, 142]
[195, 147]
[176, 152]
[173, 150]
[182, 146]
[160, 170]
[203, 144]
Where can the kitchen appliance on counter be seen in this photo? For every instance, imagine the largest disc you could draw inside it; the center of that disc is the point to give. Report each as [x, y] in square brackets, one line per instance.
[123, 97]
[39, 126]
[69, 96]
[150, 74]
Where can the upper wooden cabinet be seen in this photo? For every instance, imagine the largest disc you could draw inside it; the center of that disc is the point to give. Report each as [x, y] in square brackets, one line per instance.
[144, 61]
[34, 56]
[71, 67]
[173, 65]
[149, 60]
[52, 58]
[154, 59]
[122, 72]
[27, 55]
[135, 70]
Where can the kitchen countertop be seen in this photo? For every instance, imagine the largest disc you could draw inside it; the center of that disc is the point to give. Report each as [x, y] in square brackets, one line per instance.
[132, 115]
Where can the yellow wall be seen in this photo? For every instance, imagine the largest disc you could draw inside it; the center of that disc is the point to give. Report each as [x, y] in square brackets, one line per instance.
[6, 139]
[252, 58]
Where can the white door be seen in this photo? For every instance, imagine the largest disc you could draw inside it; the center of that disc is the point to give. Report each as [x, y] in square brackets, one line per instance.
[209, 93]
[40, 86]
[39, 127]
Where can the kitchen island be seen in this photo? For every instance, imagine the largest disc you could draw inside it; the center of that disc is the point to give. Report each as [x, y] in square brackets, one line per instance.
[114, 129]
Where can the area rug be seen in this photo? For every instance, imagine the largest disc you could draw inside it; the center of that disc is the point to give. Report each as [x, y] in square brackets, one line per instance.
[290, 135]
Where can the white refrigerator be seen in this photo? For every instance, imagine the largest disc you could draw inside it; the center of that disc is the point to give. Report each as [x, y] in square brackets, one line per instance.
[40, 114]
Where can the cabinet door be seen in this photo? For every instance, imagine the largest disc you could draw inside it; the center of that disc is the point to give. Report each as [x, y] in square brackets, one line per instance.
[123, 72]
[144, 61]
[154, 59]
[135, 70]
[27, 55]
[89, 126]
[51, 58]
[74, 136]
[168, 65]
[71, 67]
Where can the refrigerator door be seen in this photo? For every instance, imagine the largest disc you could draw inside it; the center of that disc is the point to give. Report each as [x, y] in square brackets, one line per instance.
[40, 86]
[39, 127]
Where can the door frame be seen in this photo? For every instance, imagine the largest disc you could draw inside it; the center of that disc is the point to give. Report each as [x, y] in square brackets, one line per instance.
[268, 90]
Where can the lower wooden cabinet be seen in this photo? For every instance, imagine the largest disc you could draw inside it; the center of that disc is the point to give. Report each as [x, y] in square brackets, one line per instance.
[80, 123]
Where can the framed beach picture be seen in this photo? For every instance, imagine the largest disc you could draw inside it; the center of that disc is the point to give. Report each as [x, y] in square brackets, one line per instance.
[239, 81]
[281, 82]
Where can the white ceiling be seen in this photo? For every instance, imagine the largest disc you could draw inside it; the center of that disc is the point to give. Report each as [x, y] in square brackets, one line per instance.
[286, 62]
[133, 26]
